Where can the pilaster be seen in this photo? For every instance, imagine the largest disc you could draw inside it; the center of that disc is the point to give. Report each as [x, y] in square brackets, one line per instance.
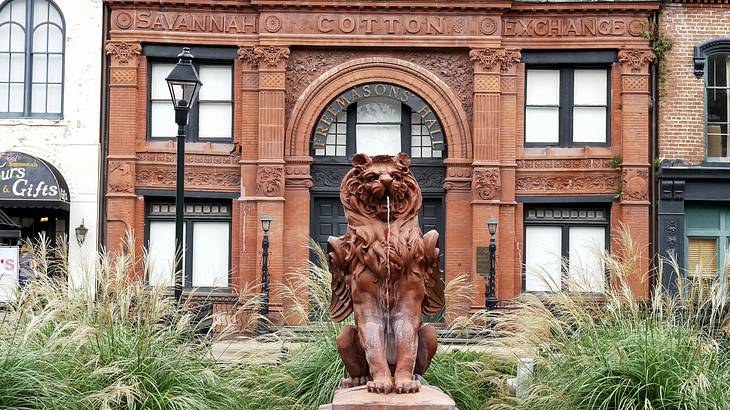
[123, 87]
[635, 169]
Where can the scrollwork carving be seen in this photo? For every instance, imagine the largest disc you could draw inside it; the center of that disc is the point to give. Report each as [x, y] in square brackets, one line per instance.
[486, 183]
[270, 181]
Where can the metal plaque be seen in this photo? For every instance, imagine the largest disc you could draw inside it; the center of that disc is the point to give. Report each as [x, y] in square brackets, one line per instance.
[483, 260]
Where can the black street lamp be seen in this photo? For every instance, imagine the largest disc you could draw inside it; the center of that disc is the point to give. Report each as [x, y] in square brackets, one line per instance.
[81, 232]
[264, 309]
[490, 297]
[184, 85]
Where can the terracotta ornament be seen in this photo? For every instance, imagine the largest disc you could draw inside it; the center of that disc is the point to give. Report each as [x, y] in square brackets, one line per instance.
[387, 273]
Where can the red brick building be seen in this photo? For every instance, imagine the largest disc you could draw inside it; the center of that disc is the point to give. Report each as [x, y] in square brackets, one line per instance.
[536, 113]
[694, 179]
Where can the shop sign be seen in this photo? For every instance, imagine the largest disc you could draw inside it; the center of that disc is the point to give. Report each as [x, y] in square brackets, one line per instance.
[8, 272]
[395, 92]
[24, 177]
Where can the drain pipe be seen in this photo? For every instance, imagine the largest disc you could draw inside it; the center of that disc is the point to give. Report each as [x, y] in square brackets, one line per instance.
[653, 147]
[103, 132]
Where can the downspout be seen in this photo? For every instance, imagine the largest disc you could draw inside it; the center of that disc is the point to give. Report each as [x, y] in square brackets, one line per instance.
[653, 144]
[103, 131]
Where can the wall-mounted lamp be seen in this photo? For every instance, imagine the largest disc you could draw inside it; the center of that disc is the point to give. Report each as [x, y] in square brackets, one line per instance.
[81, 232]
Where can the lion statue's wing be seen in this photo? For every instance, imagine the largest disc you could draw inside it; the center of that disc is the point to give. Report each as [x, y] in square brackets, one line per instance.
[434, 300]
[341, 300]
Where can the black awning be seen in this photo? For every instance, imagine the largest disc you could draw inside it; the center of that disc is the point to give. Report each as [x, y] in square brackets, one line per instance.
[30, 182]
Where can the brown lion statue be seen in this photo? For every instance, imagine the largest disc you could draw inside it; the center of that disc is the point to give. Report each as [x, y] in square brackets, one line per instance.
[386, 272]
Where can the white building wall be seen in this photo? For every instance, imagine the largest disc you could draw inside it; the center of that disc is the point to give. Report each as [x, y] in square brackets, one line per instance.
[72, 143]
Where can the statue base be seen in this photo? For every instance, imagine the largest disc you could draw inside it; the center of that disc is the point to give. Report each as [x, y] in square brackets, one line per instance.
[358, 398]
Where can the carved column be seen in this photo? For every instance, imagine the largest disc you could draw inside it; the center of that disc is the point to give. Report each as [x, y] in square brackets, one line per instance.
[249, 256]
[489, 67]
[635, 138]
[270, 168]
[123, 85]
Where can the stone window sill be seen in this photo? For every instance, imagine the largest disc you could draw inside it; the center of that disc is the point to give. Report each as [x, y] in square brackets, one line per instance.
[565, 152]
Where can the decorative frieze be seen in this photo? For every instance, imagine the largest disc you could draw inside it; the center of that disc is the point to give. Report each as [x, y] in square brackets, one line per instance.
[557, 184]
[190, 159]
[163, 176]
[588, 163]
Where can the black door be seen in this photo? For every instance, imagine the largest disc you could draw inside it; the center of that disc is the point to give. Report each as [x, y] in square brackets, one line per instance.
[329, 219]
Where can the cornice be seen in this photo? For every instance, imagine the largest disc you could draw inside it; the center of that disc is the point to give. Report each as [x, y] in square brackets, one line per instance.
[322, 4]
[585, 7]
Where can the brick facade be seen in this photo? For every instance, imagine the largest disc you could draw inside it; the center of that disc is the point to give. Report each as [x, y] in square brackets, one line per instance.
[462, 57]
[681, 99]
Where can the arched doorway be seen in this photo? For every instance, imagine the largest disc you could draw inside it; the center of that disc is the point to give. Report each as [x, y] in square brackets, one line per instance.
[375, 118]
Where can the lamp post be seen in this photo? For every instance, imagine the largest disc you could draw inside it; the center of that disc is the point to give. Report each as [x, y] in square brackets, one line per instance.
[490, 297]
[184, 84]
[264, 309]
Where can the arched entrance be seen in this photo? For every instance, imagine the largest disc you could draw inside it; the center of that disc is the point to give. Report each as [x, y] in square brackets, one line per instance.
[312, 180]
[375, 118]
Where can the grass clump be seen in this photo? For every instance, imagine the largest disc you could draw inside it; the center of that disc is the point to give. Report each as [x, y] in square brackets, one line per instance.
[615, 351]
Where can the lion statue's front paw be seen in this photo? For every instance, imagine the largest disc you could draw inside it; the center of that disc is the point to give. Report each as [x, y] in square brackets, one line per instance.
[381, 385]
[407, 385]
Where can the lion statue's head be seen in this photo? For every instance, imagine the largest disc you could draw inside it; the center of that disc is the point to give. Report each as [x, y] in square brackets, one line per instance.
[371, 182]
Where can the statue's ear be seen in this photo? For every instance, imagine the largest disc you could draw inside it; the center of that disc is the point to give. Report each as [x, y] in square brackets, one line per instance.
[403, 158]
[360, 159]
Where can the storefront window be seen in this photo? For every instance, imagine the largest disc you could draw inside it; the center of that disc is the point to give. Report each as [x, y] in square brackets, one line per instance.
[708, 233]
[206, 258]
[564, 249]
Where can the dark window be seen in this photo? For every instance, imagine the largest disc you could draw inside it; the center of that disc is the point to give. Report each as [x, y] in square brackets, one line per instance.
[32, 43]
[378, 125]
[567, 105]
[211, 117]
[564, 247]
[717, 102]
[207, 239]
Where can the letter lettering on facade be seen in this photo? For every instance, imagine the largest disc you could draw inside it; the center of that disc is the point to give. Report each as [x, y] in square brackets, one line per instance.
[325, 24]
[392, 24]
[566, 27]
[366, 90]
[369, 24]
[435, 25]
[413, 26]
[343, 102]
[143, 20]
[379, 89]
[218, 22]
[347, 24]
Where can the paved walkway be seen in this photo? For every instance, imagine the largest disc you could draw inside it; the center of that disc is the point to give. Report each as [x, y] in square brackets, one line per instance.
[274, 351]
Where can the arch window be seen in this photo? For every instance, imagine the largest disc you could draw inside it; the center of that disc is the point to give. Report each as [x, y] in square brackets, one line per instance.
[388, 120]
[32, 44]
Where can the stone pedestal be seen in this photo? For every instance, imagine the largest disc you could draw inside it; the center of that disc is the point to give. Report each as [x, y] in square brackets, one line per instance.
[358, 398]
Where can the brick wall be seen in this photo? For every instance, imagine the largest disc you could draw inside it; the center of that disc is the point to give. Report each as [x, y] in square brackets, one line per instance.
[681, 98]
